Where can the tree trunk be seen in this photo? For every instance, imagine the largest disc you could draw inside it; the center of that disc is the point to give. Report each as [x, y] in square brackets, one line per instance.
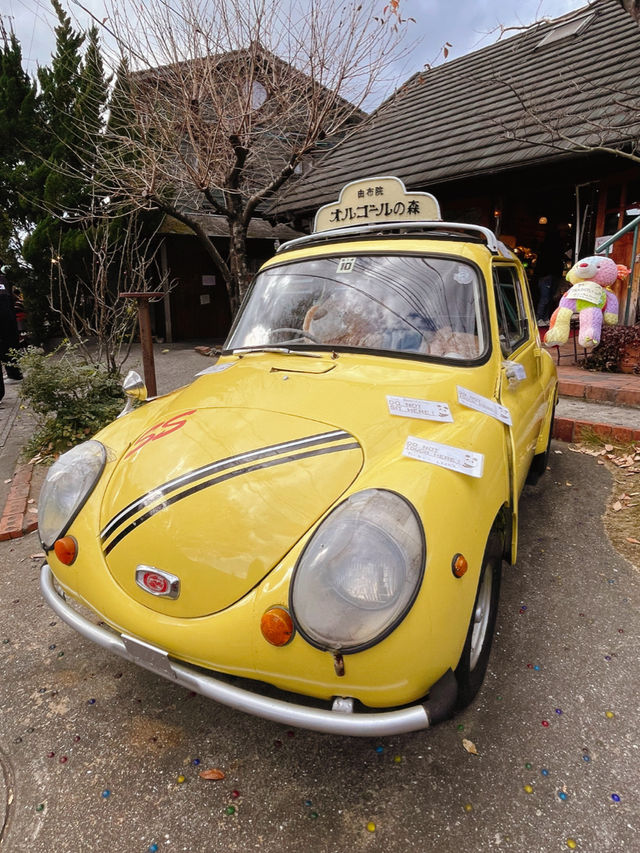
[240, 274]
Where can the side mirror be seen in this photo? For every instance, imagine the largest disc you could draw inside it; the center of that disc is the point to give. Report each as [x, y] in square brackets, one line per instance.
[135, 389]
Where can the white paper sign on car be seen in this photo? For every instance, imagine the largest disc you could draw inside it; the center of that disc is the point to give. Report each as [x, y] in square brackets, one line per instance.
[482, 404]
[445, 456]
[426, 410]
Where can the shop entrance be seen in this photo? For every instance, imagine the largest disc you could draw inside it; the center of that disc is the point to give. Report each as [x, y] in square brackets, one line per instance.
[540, 227]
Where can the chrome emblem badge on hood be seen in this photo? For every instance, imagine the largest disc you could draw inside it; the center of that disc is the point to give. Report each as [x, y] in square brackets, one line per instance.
[157, 582]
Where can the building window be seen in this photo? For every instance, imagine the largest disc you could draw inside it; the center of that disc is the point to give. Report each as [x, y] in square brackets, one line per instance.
[258, 95]
[632, 206]
[573, 27]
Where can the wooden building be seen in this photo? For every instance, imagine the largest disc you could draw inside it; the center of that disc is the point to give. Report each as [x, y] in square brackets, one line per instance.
[196, 306]
[537, 133]
[254, 90]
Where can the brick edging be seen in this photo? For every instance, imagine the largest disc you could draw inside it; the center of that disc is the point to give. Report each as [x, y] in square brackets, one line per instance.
[567, 429]
[599, 392]
[14, 522]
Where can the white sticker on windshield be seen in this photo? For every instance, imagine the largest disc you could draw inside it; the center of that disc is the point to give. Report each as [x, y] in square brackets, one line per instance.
[445, 456]
[427, 410]
[346, 264]
[463, 274]
[482, 404]
[215, 368]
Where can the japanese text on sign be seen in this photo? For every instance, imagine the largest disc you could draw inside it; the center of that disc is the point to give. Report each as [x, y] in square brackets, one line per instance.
[375, 200]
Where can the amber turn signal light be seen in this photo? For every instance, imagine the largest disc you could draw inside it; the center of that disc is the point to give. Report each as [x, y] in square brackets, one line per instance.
[277, 626]
[459, 565]
[66, 549]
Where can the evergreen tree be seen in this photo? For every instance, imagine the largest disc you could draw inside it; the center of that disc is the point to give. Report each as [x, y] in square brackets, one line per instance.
[90, 108]
[20, 137]
[66, 89]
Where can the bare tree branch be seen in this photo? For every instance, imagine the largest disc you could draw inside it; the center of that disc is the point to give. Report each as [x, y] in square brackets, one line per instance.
[224, 99]
[90, 308]
[612, 128]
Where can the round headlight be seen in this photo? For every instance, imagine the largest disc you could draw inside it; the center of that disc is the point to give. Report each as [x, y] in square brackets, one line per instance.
[359, 573]
[69, 483]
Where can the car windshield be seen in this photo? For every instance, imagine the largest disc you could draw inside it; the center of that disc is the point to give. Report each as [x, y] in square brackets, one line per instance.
[406, 304]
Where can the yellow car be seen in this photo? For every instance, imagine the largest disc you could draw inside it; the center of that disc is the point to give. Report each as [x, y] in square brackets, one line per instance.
[312, 531]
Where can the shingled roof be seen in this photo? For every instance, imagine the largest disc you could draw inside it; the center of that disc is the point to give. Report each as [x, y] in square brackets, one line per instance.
[501, 107]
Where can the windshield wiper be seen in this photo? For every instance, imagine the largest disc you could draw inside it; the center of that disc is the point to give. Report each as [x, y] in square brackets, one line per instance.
[240, 351]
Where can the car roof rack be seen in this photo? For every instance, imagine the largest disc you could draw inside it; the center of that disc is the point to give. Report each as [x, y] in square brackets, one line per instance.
[434, 229]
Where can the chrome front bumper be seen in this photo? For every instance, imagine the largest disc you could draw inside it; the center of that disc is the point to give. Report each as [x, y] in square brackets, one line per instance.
[370, 724]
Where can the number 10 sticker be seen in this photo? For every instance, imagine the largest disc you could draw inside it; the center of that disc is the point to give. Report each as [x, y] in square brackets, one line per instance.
[346, 264]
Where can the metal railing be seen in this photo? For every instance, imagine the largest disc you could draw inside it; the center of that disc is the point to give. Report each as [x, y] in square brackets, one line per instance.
[634, 225]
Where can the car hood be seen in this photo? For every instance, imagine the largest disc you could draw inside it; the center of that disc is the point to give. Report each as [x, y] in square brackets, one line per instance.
[216, 495]
[217, 482]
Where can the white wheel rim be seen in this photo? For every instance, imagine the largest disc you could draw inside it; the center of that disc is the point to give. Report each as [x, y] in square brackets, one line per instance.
[481, 615]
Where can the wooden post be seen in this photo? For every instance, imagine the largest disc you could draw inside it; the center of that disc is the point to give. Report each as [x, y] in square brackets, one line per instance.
[146, 340]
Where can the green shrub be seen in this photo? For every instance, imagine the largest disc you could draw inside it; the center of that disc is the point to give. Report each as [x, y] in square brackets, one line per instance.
[70, 399]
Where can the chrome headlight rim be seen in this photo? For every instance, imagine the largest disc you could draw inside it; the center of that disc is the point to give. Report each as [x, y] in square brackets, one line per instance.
[89, 486]
[402, 614]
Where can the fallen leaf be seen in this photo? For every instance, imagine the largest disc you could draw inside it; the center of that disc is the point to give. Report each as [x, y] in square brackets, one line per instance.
[608, 447]
[568, 484]
[470, 746]
[633, 541]
[213, 775]
[617, 506]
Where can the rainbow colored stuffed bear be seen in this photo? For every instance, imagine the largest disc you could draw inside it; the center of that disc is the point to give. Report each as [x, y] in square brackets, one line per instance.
[591, 297]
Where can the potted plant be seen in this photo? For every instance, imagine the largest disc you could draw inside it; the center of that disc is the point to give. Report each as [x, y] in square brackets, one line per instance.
[617, 352]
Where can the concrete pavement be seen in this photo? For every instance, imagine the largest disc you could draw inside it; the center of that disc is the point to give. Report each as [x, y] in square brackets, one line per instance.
[97, 754]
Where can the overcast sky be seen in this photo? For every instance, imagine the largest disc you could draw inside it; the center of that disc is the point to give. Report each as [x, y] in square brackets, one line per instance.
[466, 24]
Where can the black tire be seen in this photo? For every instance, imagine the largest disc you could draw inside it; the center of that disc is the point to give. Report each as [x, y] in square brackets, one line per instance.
[541, 460]
[474, 659]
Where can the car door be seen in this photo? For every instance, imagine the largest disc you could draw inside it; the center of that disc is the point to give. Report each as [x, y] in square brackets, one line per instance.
[520, 385]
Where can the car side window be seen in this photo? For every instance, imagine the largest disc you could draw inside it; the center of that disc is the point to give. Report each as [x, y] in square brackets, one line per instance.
[512, 316]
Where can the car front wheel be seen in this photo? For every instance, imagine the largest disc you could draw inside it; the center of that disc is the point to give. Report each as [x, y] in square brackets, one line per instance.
[475, 655]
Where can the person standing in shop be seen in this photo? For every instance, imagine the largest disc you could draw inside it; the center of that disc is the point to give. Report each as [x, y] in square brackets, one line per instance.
[549, 268]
